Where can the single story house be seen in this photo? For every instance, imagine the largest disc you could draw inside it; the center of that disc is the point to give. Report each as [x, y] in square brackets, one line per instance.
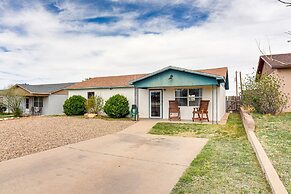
[277, 65]
[45, 99]
[152, 92]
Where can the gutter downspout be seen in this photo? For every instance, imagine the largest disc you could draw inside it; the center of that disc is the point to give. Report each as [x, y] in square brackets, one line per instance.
[216, 105]
[137, 103]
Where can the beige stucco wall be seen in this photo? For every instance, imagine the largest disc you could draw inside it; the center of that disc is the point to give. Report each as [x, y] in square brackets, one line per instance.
[285, 76]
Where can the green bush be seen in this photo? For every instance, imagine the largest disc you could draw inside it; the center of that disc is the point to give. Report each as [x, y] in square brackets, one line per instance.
[117, 106]
[17, 112]
[94, 104]
[75, 105]
[264, 95]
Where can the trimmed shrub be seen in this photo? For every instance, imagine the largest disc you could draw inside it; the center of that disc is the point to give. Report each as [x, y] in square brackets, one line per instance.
[117, 106]
[94, 104]
[75, 105]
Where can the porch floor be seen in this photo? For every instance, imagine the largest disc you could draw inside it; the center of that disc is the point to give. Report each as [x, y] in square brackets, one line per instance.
[221, 122]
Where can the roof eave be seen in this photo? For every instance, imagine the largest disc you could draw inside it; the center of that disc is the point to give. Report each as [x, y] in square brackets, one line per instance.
[177, 69]
[99, 87]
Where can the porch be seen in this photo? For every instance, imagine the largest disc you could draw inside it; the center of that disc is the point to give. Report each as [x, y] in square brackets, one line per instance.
[153, 92]
[33, 105]
[153, 103]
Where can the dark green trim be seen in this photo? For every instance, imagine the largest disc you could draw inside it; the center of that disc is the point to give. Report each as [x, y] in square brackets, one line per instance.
[175, 78]
[176, 69]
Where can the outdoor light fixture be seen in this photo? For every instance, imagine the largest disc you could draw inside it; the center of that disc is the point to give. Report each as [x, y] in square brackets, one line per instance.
[171, 77]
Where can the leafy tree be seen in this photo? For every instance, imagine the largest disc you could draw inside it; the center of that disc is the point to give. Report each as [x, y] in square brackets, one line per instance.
[12, 100]
[94, 104]
[75, 105]
[264, 94]
[117, 106]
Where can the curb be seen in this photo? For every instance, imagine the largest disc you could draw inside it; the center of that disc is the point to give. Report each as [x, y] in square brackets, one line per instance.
[7, 119]
[265, 163]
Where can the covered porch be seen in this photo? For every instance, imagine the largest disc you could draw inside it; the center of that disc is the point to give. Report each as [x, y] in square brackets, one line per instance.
[34, 104]
[187, 88]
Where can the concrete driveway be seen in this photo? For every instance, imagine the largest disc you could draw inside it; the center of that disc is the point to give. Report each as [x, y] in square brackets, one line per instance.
[130, 161]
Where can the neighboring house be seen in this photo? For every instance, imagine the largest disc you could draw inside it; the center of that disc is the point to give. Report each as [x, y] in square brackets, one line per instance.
[46, 99]
[152, 92]
[278, 65]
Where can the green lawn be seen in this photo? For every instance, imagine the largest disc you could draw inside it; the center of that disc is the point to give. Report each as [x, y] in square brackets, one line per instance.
[227, 164]
[274, 133]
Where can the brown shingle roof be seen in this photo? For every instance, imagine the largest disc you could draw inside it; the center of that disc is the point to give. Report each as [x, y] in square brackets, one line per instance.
[123, 80]
[278, 61]
[215, 71]
[110, 81]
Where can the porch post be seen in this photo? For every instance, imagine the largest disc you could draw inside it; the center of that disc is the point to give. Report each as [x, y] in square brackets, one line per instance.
[212, 105]
[137, 102]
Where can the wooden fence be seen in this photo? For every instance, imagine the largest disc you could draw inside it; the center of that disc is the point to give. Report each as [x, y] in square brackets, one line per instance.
[233, 103]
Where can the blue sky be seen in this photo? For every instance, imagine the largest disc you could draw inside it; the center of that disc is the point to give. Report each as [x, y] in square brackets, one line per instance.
[89, 15]
[48, 41]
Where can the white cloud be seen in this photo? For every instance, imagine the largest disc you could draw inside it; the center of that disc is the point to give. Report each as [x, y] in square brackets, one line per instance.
[49, 54]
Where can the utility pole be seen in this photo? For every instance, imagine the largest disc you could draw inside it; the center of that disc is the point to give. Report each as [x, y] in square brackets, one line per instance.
[240, 80]
[236, 91]
[236, 85]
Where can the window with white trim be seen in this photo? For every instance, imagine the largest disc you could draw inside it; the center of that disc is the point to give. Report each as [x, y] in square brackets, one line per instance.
[38, 102]
[188, 97]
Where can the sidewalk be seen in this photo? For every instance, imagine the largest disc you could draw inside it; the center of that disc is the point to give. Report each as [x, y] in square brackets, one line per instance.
[130, 161]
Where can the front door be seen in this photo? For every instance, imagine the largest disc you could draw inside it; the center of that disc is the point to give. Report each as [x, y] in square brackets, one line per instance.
[155, 103]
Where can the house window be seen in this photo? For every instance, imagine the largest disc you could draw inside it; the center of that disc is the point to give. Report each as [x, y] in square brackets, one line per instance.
[181, 97]
[38, 102]
[90, 94]
[195, 96]
[27, 103]
[188, 97]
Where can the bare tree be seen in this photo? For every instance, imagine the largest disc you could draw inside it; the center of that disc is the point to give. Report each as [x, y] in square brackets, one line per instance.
[269, 55]
[287, 3]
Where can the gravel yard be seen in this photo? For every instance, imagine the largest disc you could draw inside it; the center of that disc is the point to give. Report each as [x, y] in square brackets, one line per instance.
[34, 134]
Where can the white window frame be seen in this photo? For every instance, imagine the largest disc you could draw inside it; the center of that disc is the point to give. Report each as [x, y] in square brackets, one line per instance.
[37, 100]
[188, 96]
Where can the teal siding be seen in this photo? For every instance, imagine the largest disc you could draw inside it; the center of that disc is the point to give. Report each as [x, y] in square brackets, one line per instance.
[179, 79]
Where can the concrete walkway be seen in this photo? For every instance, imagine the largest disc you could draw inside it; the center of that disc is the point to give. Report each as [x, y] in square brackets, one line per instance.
[130, 161]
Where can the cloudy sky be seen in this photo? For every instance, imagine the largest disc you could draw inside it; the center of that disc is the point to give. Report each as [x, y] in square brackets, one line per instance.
[51, 41]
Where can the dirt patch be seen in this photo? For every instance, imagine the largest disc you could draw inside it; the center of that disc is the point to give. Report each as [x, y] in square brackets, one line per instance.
[29, 135]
